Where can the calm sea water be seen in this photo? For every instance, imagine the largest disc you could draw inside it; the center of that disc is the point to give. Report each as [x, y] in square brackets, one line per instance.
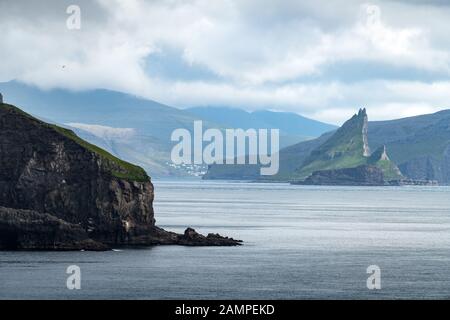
[300, 242]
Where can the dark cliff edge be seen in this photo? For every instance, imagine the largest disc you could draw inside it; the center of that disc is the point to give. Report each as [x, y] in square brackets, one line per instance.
[58, 192]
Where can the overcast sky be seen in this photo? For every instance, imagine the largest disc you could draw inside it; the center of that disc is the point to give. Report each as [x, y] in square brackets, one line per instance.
[322, 59]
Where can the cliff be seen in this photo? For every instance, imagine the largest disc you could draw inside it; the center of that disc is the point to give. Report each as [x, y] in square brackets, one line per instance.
[345, 158]
[49, 170]
[364, 175]
[347, 147]
[381, 160]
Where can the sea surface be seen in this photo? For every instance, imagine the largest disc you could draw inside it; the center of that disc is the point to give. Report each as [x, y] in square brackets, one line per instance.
[301, 242]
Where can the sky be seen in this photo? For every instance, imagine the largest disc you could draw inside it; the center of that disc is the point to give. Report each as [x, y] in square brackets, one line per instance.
[320, 59]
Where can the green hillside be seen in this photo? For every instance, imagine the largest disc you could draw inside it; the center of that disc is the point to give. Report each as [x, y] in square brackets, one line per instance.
[118, 167]
[347, 148]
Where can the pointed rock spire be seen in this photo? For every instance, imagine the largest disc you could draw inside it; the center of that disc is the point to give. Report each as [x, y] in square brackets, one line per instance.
[365, 131]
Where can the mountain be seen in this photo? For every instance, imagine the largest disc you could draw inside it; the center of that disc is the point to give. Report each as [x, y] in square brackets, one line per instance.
[347, 147]
[60, 192]
[293, 127]
[419, 146]
[131, 128]
[138, 130]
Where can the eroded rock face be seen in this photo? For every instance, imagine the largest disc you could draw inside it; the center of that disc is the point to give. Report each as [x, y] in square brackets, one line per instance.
[46, 171]
[57, 192]
[429, 167]
[31, 230]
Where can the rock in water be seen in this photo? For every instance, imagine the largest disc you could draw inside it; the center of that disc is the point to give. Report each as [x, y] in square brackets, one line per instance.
[192, 238]
[48, 169]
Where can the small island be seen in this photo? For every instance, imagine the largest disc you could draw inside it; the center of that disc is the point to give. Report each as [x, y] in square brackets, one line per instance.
[345, 160]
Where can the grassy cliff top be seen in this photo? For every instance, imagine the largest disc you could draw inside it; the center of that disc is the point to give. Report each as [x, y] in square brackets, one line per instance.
[126, 170]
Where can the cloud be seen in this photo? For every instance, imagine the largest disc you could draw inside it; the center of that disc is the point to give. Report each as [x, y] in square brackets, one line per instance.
[105, 132]
[333, 102]
[290, 55]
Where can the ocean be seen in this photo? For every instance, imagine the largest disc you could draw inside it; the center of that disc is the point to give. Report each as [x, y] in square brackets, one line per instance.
[300, 242]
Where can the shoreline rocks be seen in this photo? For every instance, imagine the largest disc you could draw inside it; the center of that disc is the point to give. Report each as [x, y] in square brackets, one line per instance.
[29, 230]
[193, 238]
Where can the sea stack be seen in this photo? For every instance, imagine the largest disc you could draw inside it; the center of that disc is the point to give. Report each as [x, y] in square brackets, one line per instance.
[345, 159]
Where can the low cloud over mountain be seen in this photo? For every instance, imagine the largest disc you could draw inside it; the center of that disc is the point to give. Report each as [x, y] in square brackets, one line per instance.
[316, 58]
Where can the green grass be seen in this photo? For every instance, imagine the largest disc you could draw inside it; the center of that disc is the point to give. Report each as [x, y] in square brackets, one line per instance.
[345, 149]
[130, 171]
[118, 168]
[346, 161]
[390, 171]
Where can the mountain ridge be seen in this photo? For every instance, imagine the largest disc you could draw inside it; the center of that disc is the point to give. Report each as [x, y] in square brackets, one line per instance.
[348, 148]
[419, 145]
[152, 122]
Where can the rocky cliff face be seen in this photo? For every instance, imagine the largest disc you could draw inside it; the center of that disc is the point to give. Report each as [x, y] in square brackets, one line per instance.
[428, 167]
[48, 169]
[43, 168]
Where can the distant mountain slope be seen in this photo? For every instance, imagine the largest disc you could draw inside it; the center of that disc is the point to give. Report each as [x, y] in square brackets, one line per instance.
[347, 147]
[293, 127]
[420, 146]
[148, 124]
[151, 121]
